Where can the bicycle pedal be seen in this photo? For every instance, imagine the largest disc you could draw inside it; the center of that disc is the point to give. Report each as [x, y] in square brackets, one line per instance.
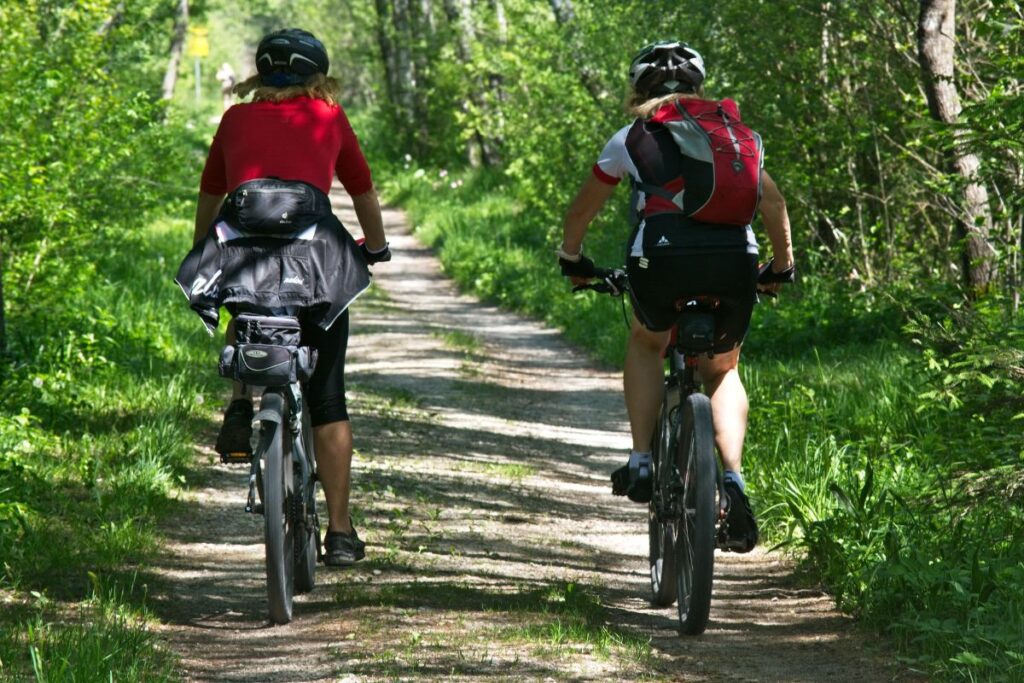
[256, 509]
[236, 458]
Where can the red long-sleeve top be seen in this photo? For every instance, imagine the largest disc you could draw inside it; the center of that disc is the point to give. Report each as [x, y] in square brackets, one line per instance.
[299, 139]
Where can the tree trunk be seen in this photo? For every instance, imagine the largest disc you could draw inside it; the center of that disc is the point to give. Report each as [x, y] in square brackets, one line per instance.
[387, 52]
[112, 21]
[499, 17]
[936, 49]
[177, 48]
[460, 18]
[425, 46]
[394, 35]
[427, 16]
[565, 16]
[405, 72]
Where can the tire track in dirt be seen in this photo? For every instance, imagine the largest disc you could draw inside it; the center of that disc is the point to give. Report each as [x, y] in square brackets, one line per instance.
[495, 550]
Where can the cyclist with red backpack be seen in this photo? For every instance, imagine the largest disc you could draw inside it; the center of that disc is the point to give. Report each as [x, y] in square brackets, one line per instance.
[698, 180]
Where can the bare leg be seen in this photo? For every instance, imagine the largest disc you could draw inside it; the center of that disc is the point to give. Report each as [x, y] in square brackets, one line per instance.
[643, 379]
[333, 443]
[729, 405]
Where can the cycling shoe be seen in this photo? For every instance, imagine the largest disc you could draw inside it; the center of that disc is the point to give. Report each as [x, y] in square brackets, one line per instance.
[343, 550]
[236, 433]
[634, 480]
[739, 532]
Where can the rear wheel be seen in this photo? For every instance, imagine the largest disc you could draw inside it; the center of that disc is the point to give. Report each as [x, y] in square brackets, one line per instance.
[306, 537]
[695, 543]
[279, 532]
[661, 524]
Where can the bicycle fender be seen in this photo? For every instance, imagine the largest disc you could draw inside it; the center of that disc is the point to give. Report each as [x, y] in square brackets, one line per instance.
[272, 409]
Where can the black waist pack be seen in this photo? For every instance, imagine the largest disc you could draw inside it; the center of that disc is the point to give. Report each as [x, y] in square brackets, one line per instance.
[267, 352]
[275, 206]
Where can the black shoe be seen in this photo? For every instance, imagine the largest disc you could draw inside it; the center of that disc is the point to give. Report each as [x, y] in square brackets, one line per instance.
[343, 550]
[236, 433]
[740, 528]
[636, 483]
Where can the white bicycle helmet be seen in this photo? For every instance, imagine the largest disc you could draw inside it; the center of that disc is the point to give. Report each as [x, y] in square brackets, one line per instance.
[666, 67]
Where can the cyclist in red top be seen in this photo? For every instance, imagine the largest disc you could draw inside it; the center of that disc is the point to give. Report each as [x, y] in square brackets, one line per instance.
[294, 129]
[671, 256]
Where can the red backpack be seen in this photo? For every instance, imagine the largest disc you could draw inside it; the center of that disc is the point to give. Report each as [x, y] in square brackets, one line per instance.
[723, 185]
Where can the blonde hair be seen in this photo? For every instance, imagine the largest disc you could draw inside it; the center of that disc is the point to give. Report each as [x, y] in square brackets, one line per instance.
[317, 86]
[644, 107]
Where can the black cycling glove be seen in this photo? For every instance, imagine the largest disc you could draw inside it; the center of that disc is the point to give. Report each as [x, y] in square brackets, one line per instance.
[375, 256]
[767, 276]
[582, 268]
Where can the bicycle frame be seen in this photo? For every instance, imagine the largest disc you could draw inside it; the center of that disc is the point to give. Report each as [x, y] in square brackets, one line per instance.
[684, 377]
[284, 405]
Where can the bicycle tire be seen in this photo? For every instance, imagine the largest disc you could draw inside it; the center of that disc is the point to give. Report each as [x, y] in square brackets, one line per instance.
[661, 524]
[279, 532]
[304, 515]
[695, 544]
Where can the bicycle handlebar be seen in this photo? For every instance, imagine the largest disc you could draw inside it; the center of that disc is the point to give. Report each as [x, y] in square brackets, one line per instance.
[611, 281]
[615, 282]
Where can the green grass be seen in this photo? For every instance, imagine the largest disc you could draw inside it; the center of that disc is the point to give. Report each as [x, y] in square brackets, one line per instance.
[102, 638]
[553, 620]
[113, 378]
[515, 472]
[460, 340]
[572, 615]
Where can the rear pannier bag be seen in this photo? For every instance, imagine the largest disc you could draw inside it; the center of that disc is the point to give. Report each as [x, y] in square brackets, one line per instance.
[270, 206]
[267, 352]
[723, 158]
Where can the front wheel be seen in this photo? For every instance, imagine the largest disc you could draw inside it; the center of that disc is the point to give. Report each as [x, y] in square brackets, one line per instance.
[278, 491]
[695, 544]
[661, 523]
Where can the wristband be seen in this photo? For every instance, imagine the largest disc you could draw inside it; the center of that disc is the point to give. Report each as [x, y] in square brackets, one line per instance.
[372, 257]
[573, 258]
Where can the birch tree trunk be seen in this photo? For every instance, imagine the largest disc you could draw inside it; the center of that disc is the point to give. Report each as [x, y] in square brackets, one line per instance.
[565, 16]
[936, 49]
[499, 17]
[394, 35]
[387, 52]
[425, 46]
[460, 18]
[427, 16]
[405, 72]
[177, 48]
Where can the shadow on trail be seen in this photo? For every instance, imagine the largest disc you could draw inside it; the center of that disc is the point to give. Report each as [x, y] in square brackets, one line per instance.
[586, 409]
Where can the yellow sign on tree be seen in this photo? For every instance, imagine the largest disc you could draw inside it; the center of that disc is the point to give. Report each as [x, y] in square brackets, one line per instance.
[198, 41]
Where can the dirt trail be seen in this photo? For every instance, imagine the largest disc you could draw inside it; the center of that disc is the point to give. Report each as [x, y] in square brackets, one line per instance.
[495, 550]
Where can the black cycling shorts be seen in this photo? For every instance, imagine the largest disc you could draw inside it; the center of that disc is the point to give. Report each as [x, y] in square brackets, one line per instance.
[325, 390]
[729, 276]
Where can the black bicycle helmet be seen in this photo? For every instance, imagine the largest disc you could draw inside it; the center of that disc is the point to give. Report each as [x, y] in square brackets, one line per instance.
[289, 56]
[666, 67]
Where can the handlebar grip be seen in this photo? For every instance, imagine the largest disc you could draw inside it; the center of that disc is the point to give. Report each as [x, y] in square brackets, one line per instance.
[609, 281]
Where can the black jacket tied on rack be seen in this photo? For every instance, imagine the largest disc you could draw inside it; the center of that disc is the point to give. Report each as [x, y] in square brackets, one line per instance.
[316, 269]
